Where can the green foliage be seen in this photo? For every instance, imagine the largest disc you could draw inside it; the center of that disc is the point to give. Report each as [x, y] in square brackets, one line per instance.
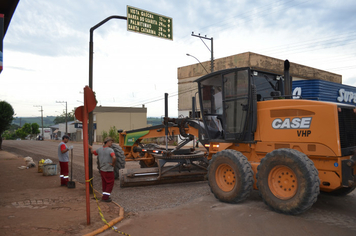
[6, 116]
[104, 134]
[35, 129]
[27, 128]
[21, 133]
[9, 135]
[113, 134]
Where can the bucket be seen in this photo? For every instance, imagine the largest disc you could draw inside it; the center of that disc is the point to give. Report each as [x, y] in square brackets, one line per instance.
[40, 167]
[50, 169]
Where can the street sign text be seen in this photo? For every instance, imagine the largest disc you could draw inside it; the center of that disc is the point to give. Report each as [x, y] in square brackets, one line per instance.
[145, 22]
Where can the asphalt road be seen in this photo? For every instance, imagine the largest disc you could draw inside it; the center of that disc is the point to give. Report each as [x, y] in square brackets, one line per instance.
[170, 209]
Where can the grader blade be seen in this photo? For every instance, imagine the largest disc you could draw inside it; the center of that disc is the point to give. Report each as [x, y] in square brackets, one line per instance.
[152, 176]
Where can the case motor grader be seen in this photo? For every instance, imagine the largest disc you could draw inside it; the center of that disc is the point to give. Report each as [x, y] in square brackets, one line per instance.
[257, 137]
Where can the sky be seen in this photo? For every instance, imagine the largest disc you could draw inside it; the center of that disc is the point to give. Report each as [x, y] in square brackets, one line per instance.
[46, 47]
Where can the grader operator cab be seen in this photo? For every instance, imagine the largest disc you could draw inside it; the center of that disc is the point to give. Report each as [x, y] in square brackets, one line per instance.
[257, 137]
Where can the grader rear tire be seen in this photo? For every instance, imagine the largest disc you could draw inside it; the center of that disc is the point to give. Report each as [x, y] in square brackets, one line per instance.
[230, 176]
[288, 181]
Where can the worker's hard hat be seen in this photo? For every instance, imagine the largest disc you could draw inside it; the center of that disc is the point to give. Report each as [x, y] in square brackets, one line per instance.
[107, 139]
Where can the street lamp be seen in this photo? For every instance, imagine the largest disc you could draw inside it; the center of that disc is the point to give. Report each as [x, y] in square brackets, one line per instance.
[66, 115]
[198, 61]
[211, 49]
[41, 118]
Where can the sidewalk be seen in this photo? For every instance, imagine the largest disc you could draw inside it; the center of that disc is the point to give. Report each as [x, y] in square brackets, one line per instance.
[33, 204]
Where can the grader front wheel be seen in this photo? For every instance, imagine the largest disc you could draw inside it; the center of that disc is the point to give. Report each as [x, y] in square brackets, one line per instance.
[230, 176]
[288, 181]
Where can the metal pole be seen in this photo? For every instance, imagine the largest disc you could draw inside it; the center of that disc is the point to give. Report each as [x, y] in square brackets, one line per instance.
[86, 155]
[66, 120]
[212, 56]
[90, 116]
[42, 121]
[166, 118]
[211, 48]
[193, 116]
[41, 117]
[90, 128]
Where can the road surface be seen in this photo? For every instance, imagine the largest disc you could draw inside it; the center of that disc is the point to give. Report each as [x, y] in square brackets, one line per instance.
[190, 208]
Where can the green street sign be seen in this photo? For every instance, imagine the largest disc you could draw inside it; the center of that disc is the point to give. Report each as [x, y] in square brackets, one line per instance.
[146, 22]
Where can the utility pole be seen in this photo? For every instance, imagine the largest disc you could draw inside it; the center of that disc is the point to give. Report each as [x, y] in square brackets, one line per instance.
[211, 49]
[41, 118]
[66, 115]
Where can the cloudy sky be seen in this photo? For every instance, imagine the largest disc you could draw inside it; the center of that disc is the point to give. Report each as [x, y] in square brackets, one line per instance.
[46, 48]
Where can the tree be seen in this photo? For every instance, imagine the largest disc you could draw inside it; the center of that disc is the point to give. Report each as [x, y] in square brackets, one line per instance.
[35, 129]
[6, 117]
[27, 128]
[21, 133]
[9, 135]
[113, 134]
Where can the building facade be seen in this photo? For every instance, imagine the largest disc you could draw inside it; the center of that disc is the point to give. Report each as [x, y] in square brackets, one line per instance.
[125, 118]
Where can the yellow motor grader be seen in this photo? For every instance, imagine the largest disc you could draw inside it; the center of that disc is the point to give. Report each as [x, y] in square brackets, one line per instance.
[256, 137]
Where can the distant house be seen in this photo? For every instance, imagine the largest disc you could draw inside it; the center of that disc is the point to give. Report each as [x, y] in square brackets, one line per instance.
[46, 132]
[59, 130]
[55, 130]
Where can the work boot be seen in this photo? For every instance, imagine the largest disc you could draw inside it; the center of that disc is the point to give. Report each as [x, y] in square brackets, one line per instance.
[106, 200]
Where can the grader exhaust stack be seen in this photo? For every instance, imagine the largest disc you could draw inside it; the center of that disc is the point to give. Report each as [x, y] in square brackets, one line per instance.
[287, 80]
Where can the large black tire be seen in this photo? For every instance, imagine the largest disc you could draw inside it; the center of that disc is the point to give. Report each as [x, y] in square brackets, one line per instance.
[288, 181]
[120, 159]
[149, 163]
[230, 176]
[340, 192]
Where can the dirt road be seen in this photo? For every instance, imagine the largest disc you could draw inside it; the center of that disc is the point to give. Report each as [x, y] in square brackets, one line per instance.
[190, 208]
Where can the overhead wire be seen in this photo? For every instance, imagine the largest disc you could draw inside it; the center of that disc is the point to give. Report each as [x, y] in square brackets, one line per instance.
[348, 39]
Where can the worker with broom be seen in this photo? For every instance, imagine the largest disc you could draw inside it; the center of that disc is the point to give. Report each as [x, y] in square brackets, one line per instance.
[106, 161]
